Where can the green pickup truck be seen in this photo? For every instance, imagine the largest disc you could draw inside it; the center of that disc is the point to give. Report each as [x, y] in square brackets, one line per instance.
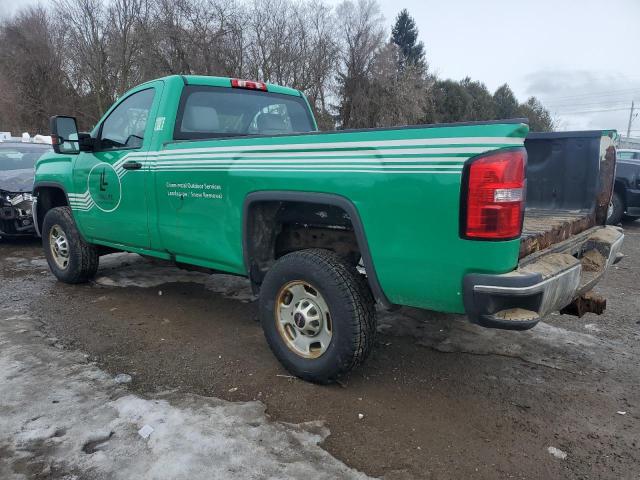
[232, 176]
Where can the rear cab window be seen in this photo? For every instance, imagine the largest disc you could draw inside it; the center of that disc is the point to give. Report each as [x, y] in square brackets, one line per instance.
[218, 112]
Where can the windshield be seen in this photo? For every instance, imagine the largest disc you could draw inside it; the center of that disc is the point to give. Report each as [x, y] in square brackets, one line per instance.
[19, 157]
[207, 112]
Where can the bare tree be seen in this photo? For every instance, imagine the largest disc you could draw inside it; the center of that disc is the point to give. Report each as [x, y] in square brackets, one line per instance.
[124, 39]
[32, 80]
[80, 55]
[84, 26]
[398, 92]
[362, 34]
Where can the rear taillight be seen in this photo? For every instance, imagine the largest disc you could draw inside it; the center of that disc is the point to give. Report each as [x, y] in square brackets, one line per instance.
[493, 196]
[248, 84]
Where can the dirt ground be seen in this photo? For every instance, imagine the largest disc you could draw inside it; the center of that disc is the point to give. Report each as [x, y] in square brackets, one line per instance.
[440, 398]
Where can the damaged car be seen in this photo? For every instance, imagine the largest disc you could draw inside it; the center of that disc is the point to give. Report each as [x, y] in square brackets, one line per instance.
[17, 161]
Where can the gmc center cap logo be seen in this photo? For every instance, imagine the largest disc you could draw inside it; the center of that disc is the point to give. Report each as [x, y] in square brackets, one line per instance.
[104, 187]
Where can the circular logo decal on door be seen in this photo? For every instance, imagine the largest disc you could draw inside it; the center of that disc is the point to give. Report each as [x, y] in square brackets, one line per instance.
[104, 187]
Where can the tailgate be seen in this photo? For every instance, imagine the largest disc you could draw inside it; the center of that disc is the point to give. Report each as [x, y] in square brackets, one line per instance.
[569, 183]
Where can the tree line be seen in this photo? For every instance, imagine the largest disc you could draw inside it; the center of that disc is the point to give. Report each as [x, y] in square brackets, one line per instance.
[77, 57]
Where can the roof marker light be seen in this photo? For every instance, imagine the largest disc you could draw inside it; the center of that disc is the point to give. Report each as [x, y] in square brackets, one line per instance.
[248, 84]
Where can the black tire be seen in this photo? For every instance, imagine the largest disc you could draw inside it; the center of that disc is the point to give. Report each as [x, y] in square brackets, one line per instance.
[616, 211]
[351, 306]
[82, 257]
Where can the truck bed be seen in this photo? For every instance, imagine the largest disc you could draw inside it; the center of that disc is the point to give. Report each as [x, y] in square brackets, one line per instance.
[569, 182]
[543, 228]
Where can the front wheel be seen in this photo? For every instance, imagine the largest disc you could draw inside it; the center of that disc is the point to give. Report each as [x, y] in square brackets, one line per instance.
[317, 314]
[616, 209]
[70, 258]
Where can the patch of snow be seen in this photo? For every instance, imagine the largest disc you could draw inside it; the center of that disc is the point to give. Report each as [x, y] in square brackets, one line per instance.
[146, 431]
[57, 409]
[592, 327]
[131, 270]
[544, 344]
[122, 378]
[556, 452]
[42, 139]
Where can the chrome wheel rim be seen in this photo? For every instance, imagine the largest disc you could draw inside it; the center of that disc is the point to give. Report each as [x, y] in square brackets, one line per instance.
[59, 246]
[610, 210]
[303, 319]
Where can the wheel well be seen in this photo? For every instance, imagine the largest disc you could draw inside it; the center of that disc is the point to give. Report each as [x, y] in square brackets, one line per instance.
[619, 188]
[48, 198]
[279, 222]
[275, 228]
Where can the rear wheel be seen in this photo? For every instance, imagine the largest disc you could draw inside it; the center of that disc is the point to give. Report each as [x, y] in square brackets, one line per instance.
[70, 258]
[616, 209]
[317, 314]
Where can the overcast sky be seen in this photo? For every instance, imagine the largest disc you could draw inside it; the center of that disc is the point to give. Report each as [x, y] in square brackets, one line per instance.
[577, 56]
[580, 57]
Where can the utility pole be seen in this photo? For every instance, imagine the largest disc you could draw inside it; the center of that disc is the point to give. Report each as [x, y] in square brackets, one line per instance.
[630, 120]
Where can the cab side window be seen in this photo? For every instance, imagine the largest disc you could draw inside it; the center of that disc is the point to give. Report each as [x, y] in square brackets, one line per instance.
[125, 126]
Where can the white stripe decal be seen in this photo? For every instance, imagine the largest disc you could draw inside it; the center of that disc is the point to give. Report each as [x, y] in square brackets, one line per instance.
[83, 207]
[81, 201]
[362, 144]
[162, 166]
[213, 158]
[177, 169]
[190, 161]
[306, 167]
[332, 153]
[470, 142]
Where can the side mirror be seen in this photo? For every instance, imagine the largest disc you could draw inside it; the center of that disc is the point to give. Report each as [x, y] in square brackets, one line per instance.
[87, 142]
[64, 134]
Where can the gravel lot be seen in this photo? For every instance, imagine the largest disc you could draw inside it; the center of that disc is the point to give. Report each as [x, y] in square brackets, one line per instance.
[439, 398]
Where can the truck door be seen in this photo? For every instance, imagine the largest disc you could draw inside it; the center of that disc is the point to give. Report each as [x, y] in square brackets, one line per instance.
[113, 206]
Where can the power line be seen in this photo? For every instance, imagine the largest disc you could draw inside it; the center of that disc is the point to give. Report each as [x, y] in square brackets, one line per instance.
[607, 93]
[609, 103]
[593, 111]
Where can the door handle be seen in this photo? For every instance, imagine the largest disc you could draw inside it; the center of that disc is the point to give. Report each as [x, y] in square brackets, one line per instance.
[132, 166]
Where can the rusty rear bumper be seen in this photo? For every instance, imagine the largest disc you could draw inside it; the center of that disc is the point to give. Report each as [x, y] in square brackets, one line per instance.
[544, 283]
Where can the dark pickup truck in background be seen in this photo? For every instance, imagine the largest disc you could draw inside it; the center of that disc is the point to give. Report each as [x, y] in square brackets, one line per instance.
[626, 195]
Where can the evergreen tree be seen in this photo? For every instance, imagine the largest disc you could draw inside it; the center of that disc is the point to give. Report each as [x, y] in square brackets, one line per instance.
[540, 119]
[452, 102]
[505, 102]
[405, 35]
[483, 106]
